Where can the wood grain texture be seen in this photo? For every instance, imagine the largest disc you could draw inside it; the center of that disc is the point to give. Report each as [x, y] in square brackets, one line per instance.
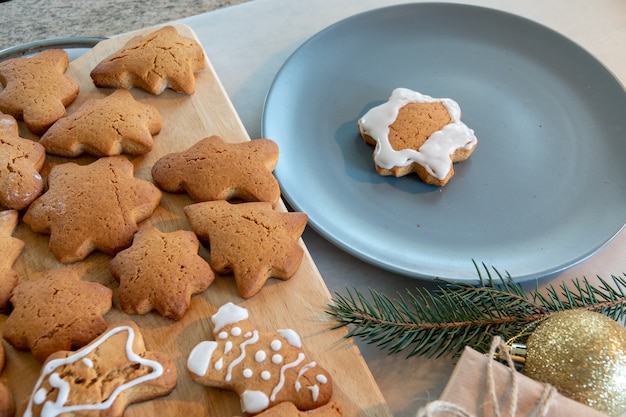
[298, 303]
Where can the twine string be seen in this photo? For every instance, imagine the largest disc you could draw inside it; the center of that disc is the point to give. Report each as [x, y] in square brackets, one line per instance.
[541, 407]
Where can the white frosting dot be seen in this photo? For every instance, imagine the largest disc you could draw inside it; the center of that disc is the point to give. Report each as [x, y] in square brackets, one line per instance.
[247, 373]
[277, 358]
[248, 334]
[276, 345]
[321, 379]
[265, 375]
[236, 331]
[228, 346]
[260, 356]
[40, 396]
[223, 335]
[219, 364]
[254, 402]
[88, 362]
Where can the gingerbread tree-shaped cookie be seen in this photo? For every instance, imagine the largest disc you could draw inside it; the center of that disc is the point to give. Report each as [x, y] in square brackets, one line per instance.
[20, 162]
[250, 240]
[103, 378]
[89, 207]
[155, 61]
[214, 169]
[10, 248]
[265, 369]
[57, 312]
[108, 126]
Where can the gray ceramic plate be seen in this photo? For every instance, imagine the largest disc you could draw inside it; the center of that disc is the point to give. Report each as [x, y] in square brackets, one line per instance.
[545, 188]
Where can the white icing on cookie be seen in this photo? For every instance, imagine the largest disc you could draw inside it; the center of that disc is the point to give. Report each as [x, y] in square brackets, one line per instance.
[254, 401]
[434, 154]
[200, 357]
[291, 336]
[52, 408]
[229, 313]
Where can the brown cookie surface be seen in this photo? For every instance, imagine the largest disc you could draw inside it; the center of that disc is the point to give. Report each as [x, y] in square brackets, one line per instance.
[263, 368]
[94, 206]
[249, 240]
[21, 160]
[288, 409]
[108, 126]
[36, 89]
[153, 62]
[56, 312]
[103, 378]
[10, 248]
[160, 271]
[214, 169]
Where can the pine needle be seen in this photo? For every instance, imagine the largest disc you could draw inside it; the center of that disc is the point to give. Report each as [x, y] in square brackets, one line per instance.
[442, 322]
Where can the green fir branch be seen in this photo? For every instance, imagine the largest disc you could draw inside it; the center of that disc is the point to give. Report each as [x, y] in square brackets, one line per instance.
[444, 321]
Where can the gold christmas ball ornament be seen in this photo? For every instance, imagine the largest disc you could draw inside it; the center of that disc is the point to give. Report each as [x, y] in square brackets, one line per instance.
[583, 355]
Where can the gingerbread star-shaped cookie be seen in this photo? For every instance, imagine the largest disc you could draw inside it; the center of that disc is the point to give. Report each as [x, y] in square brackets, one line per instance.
[36, 89]
[109, 126]
[103, 378]
[89, 207]
[20, 162]
[250, 240]
[10, 248]
[153, 62]
[160, 271]
[56, 312]
[214, 169]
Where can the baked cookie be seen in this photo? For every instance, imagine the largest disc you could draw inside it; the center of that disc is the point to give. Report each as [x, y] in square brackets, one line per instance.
[10, 248]
[21, 161]
[94, 206]
[213, 169]
[153, 62]
[103, 378]
[249, 240]
[160, 271]
[36, 89]
[56, 312]
[7, 404]
[108, 126]
[264, 369]
[287, 409]
[413, 132]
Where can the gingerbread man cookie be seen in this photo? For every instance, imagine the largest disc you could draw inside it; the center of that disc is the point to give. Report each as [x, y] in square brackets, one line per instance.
[264, 369]
[36, 89]
[161, 271]
[21, 161]
[108, 126]
[214, 169]
[102, 378]
[249, 240]
[94, 206]
[153, 62]
[10, 248]
[287, 409]
[56, 312]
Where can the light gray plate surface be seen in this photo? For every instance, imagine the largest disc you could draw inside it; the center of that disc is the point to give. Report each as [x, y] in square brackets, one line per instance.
[545, 188]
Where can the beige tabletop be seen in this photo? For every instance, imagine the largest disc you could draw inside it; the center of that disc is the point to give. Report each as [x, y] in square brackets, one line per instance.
[249, 42]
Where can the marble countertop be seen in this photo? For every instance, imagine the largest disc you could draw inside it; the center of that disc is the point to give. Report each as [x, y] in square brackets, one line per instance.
[32, 20]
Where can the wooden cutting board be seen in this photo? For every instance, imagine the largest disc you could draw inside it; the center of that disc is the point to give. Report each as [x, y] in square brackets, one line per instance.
[298, 303]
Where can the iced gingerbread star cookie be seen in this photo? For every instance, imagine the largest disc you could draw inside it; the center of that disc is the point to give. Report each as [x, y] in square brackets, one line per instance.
[57, 312]
[214, 169]
[36, 89]
[21, 160]
[102, 378]
[264, 369]
[160, 271]
[10, 248]
[94, 206]
[413, 132]
[250, 240]
[153, 62]
[107, 126]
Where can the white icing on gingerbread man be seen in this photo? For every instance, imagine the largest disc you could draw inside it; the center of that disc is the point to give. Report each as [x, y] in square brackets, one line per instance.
[263, 368]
